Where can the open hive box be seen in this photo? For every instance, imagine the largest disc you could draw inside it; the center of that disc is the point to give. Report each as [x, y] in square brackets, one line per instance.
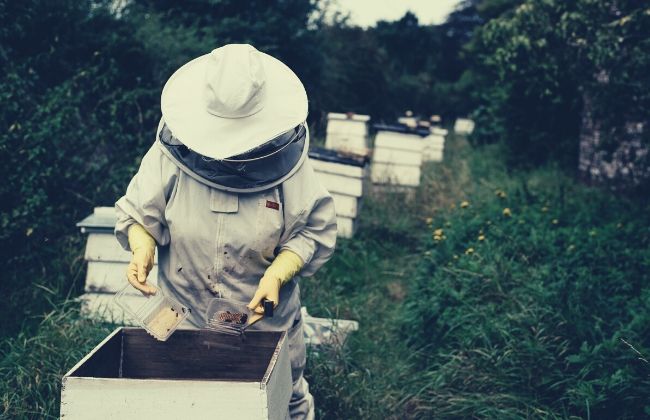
[195, 374]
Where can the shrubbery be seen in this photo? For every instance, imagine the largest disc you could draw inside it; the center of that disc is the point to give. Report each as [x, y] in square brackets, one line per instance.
[536, 62]
[524, 299]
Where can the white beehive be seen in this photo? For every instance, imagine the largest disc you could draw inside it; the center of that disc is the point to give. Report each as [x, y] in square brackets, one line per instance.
[195, 374]
[397, 158]
[344, 178]
[464, 126]
[434, 145]
[347, 133]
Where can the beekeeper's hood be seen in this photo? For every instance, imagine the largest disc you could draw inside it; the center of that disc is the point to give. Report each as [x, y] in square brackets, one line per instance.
[235, 119]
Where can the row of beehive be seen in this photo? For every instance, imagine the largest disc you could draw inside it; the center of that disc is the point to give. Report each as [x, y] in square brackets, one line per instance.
[399, 152]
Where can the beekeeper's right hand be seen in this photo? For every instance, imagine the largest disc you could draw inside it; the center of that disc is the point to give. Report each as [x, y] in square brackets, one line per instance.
[143, 247]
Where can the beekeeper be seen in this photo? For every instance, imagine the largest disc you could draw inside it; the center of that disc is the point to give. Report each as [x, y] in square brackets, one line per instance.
[228, 195]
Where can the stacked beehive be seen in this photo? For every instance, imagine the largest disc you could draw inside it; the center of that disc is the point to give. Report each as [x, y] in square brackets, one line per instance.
[434, 145]
[343, 176]
[107, 263]
[397, 157]
[464, 126]
[347, 133]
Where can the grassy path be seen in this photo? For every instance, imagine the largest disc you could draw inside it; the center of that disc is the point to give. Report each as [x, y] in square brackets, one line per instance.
[367, 280]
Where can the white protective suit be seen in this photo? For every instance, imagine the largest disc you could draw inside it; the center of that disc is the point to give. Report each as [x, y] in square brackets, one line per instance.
[212, 242]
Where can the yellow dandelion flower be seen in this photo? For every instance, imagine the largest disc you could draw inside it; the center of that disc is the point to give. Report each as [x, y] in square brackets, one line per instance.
[555, 221]
[501, 194]
[438, 232]
[481, 237]
[507, 212]
[429, 221]
[469, 251]
[464, 204]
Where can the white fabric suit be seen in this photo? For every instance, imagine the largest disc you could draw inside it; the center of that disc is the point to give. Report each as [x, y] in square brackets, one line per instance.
[212, 242]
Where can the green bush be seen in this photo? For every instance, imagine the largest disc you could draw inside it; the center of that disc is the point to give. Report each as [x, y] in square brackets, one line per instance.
[538, 60]
[526, 298]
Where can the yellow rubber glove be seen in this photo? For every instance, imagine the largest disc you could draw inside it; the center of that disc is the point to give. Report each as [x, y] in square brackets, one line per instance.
[143, 247]
[286, 265]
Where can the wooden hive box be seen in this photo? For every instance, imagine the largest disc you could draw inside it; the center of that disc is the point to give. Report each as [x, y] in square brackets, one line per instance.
[344, 178]
[464, 126]
[107, 263]
[397, 158]
[195, 374]
[434, 145]
[347, 133]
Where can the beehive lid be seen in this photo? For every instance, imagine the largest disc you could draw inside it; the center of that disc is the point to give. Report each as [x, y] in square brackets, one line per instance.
[328, 155]
[101, 220]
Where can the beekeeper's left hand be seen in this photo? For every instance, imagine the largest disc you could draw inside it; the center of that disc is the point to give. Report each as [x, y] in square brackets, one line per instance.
[286, 265]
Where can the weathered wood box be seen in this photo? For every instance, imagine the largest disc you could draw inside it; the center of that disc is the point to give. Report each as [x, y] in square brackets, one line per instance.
[347, 133]
[195, 374]
[344, 178]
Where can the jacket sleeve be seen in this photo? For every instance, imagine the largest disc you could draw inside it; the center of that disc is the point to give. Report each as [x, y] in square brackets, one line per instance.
[310, 227]
[146, 198]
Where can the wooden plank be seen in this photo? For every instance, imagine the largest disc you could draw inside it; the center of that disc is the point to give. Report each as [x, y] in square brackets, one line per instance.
[346, 227]
[399, 157]
[400, 141]
[128, 399]
[110, 276]
[341, 184]
[337, 168]
[104, 247]
[346, 205]
[384, 173]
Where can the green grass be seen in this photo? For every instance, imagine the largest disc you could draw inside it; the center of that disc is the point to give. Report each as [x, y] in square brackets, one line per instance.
[529, 324]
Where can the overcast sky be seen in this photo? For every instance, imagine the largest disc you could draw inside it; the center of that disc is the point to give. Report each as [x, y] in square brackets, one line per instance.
[368, 12]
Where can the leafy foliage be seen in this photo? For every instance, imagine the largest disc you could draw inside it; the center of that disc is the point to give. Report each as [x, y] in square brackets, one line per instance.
[538, 59]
